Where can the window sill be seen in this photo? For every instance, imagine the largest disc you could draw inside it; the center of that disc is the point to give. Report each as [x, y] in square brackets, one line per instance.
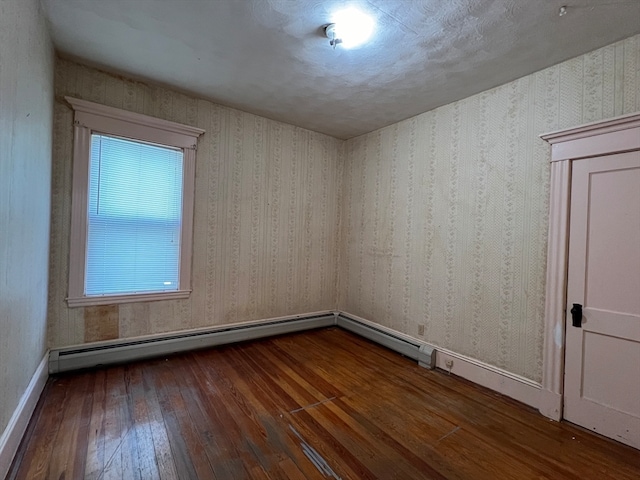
[131, 298]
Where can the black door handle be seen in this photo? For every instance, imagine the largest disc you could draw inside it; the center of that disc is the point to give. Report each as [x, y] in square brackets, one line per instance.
[576, 315]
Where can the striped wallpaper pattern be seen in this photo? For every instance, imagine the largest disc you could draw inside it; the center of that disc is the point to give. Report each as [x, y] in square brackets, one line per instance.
[266, 202]
[444, 215]
[436, 223]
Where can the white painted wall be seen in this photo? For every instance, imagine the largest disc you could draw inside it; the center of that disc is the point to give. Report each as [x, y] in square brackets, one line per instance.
[26, 113]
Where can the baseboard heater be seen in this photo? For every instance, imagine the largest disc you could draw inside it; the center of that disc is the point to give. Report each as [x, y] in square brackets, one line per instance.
[423, 353]
[122, 351]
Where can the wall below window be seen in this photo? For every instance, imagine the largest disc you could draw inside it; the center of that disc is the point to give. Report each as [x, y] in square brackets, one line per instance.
[444, 218]
[26, 113]
[265, 232]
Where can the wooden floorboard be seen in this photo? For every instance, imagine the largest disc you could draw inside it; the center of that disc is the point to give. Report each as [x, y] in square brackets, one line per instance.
[314, 405]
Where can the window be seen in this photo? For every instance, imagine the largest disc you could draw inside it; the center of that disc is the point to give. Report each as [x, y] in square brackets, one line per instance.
[132, 209]
[134, 217]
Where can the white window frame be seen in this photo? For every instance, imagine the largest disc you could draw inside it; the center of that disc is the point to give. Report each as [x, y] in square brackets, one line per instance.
[91, 118]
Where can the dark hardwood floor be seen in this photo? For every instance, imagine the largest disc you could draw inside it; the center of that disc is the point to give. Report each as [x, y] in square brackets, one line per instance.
[321, 404]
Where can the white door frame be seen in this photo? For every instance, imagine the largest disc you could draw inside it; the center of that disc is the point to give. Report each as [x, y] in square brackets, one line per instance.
[594, 139]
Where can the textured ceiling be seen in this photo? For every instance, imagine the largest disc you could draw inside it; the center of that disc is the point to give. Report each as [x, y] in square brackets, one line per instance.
[270, 57]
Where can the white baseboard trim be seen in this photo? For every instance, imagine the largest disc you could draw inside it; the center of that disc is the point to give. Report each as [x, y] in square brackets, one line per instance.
[551, 404]
[12, 436]
[514, 386]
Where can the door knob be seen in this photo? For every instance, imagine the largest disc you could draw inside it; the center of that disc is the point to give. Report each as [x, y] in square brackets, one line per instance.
[576, 315]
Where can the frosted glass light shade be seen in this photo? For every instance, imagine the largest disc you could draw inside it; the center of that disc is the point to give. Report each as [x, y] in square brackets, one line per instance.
[352, 27]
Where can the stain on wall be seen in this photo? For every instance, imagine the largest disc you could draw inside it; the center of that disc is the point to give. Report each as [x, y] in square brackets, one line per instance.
[101, 323]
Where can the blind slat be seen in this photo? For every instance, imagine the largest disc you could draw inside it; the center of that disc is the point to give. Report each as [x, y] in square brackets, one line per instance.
[134, 217]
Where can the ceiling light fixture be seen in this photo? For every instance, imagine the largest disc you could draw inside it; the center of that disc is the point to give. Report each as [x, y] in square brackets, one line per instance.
[350, 28]
[330, 32]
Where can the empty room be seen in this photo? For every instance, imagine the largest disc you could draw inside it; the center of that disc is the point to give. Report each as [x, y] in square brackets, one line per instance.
[307, 239]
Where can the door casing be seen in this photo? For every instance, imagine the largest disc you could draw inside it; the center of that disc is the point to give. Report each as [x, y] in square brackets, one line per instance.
[617, 135]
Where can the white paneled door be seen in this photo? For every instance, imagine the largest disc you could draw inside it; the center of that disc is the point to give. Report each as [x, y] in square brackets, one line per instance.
[602, 364]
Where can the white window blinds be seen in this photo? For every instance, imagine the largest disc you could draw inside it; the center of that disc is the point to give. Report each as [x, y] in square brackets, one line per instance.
[134, 217]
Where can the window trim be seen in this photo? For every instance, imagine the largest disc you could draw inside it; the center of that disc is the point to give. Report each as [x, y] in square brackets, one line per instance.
[92, 117]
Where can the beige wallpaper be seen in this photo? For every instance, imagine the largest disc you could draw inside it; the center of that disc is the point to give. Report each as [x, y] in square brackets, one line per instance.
[444, 215]
[265, 215]
[26, 113]
[442, 221]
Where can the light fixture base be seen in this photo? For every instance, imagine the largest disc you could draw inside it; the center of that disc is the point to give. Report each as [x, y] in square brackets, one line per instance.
[330, 32]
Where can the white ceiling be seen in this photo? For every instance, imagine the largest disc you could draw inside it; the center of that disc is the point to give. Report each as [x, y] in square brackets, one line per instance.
[270, 57]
